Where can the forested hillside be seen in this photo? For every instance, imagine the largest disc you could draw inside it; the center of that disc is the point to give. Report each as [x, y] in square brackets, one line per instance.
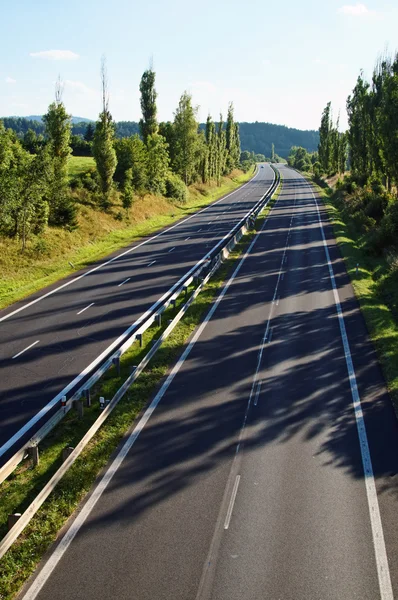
[255, 137]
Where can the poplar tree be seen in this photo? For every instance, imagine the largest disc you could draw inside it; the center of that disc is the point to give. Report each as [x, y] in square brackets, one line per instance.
[186, 140]
[221, 150]
[58, 132]
[103, 144]
[148, 123]
[324, 148]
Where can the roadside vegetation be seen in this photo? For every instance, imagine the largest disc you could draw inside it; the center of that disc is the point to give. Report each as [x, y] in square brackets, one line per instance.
[18, 491]
[58, 212]
[358, 171]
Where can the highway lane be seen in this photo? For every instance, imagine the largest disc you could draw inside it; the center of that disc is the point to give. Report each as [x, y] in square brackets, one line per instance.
[45, 344]
[248, 481]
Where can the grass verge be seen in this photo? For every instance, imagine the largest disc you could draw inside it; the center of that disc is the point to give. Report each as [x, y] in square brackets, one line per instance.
[21, 488]
[58, 252]
[380, 321]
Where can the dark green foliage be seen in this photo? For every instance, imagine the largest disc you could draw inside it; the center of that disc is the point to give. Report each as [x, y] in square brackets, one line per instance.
[302, 160]
[80, 147]
[175, 188]
[32, 142]
[148, 123]
[89, 133]
[58, 133]
[158, 164]
[232, 141]
[185, 147]
[131, 154]
[24, 188]
[259, 137]
[104, 154]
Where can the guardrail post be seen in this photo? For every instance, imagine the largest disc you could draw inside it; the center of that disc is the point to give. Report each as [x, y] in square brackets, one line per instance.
[79, 408]
[159, 319]
[186, 290]
[139, 338]
[63, 403]
[34, 455]
[116, 362]
[12, 519]
[87, 396]
[66, 452]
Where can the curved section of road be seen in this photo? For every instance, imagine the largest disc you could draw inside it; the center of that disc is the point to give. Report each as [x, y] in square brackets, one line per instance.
[48, 340]
[248, 479]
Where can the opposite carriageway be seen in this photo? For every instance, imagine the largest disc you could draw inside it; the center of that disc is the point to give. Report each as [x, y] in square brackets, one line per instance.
[47, 341]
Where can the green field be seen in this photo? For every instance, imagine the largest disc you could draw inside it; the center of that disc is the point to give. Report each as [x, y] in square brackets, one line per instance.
[80, 164]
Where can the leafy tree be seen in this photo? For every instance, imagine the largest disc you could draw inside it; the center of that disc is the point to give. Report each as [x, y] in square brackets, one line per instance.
[232, 141]
[58, 133]
[325, 142]
[148, 123]
[132, 162]
[103, 150]
[186, 157]
[158, 163]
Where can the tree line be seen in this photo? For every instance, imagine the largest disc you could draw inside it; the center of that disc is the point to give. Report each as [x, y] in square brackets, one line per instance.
[255, 137]
[368, 155]
[164, 158]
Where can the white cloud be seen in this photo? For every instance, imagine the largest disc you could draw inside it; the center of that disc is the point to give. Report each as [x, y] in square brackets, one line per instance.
[10, 80]
[356, 10]
[319, 61]
[55, 55]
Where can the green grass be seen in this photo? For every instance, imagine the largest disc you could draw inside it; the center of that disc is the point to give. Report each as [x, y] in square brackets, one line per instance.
[380, 321]
[21, 488]
[80, 164]
[48, 257]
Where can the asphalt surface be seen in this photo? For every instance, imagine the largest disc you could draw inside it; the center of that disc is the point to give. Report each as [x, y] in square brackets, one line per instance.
[221, 498]
[47, 344]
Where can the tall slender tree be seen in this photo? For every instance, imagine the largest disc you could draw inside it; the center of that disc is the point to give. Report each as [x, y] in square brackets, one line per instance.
[186, 141]
[148, 123]
[103, 144]
[58, 132]
[324, 148]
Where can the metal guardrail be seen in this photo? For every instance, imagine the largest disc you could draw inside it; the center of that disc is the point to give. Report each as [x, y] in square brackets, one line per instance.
[112, 355]
[21, 521]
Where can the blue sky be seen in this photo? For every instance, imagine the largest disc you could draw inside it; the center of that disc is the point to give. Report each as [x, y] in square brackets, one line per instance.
[279, 62]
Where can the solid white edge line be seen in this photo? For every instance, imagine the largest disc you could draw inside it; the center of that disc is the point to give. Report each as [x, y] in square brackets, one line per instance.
[383, 571]
[99, 489]
[126, 251]
[232, 502]
[22, 351]
[82, 311]
[11, 441]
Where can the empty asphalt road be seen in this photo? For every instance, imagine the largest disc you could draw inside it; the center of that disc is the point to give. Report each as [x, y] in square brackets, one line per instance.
[269, 468]
[50, 338]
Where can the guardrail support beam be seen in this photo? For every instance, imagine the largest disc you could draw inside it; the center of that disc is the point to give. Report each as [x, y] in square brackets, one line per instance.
[116, 362]
[12, 519]
[79, 408]
[34, 455]
[66, 452]
[87, 397]
[139, 338]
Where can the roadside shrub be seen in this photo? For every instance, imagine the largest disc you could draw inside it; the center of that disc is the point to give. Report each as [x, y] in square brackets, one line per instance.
[176, 188]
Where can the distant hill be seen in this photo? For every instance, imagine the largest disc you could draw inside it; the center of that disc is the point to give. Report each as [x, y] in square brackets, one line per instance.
[74, 119]
[257, 137]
